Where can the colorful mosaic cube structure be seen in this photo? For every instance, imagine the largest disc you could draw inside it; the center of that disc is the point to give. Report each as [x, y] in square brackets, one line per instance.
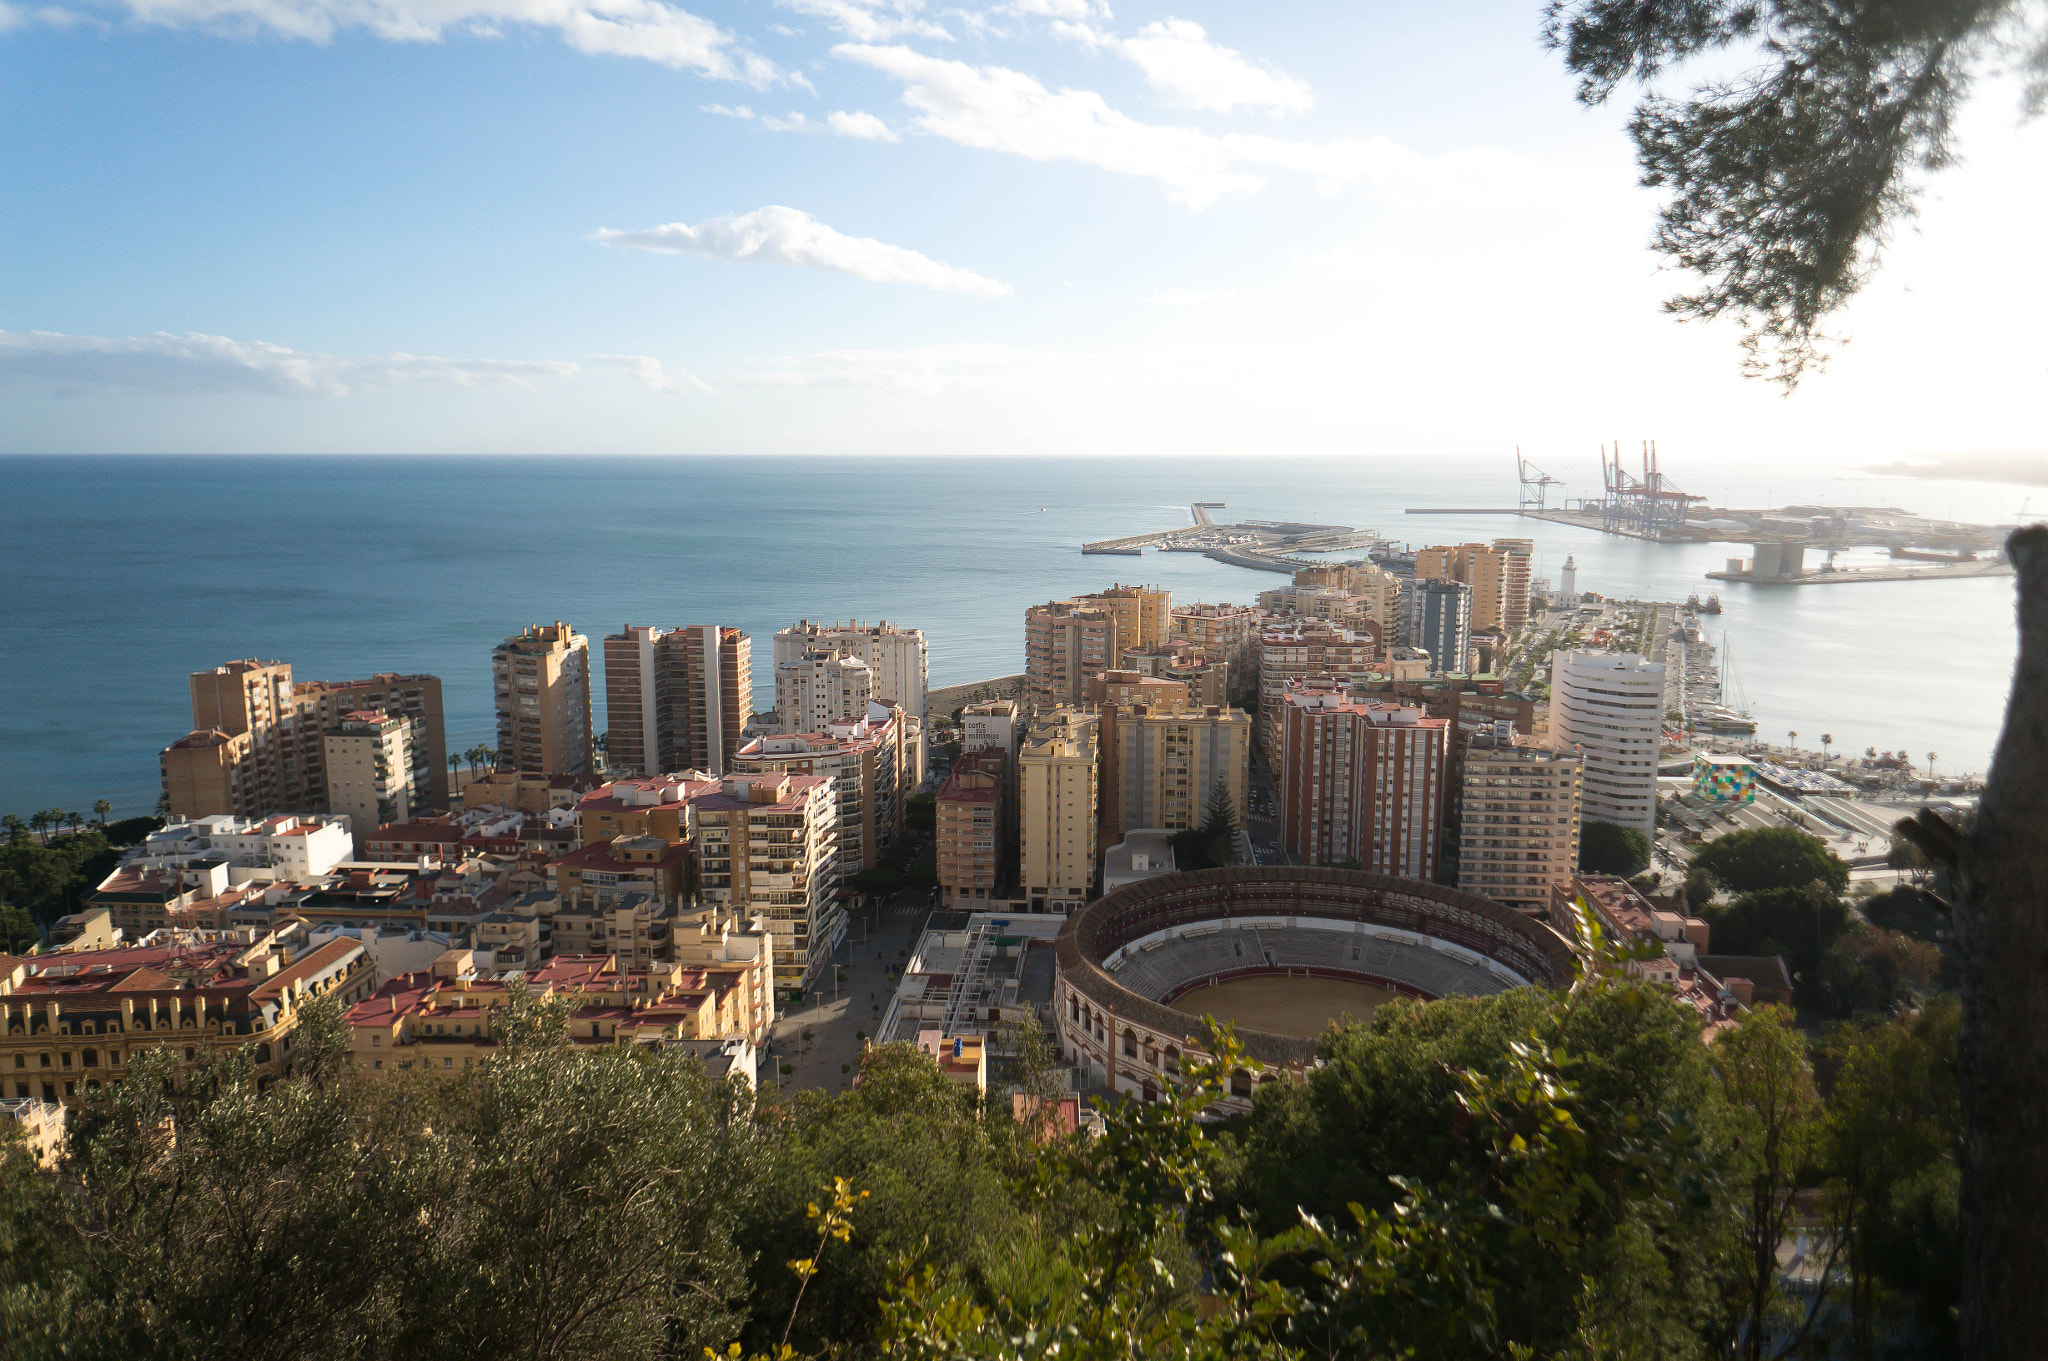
[1723, 779]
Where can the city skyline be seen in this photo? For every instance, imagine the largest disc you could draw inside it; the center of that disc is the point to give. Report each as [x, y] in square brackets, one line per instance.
[858, 228]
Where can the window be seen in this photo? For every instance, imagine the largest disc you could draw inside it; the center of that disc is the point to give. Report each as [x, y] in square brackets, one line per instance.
[1130, 1044]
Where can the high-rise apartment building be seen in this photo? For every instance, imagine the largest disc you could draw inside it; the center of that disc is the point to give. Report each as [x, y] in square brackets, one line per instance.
[1518, 818]
[1483, 568]
[1056, 810]
[1515, 581]
[1381, 594]
[1125, 688]
[1440, 623]
[898, 656]
[1225, 632]
[541, 679]
[1207, 678]
[1333, 603]
[1361, 782]
[822, 687]
[1144, 614]
[369, 771]
[632, 701]
[1609, 707]
[676, 699]
[767, 850]
[706, 675]
[1160, 766]
[1293, 649]
[867, 761]
[1064, 644]
[973, 816]
[258, 740]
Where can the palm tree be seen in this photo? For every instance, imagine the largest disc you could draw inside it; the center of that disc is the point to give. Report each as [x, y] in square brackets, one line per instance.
[1792, 741]
[1827, 739]
[102, 808]
[471, 756]
[1870, 753]
[39, 820]
[76, 820]
[15, 828]
[1930, 765]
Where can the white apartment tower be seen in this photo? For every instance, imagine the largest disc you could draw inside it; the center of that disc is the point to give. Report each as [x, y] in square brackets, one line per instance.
[820, 688]
[1609, 707]
[897, 656]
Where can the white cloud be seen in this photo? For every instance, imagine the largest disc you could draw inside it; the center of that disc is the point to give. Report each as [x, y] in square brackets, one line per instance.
[650, 371]
[777, 235]
[1191, 297]
[925, 370]
[996, 109]
[651, 30]
[1180, 62]
[862, 125]
[1053, 9]
[162, 362]
[728, 111]
[871, 21]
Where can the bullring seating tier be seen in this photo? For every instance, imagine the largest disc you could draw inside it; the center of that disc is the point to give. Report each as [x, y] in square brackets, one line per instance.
[1162, 966]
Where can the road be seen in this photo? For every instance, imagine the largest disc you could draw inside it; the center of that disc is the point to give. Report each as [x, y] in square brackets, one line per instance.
[867, 966]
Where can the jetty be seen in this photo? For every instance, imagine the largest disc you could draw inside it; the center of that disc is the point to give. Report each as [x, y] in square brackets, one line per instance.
[1267, 545]
[1842, 576]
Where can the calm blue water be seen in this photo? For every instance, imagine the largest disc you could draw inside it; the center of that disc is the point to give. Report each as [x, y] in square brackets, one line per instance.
[122, 574]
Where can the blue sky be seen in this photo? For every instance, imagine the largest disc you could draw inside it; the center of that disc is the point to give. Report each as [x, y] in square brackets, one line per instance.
[1046, 226]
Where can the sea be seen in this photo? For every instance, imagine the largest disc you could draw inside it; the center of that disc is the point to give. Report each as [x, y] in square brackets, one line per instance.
[121, 574]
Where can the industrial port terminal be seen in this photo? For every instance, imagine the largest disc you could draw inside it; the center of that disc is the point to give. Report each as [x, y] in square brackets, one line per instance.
[1650, 506]
[1790, 545]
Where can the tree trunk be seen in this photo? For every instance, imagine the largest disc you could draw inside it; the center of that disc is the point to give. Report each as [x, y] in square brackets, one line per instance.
[2000, 878]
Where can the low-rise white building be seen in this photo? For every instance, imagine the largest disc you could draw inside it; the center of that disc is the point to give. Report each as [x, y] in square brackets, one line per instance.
[296, 846]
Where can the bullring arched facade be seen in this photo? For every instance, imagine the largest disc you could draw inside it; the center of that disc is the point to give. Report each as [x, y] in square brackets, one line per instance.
[1122, 958]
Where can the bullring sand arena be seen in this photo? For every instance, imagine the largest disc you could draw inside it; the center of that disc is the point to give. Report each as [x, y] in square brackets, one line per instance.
[1285, 1006]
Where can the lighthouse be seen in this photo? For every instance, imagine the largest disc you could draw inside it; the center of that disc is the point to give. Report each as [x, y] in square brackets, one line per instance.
[1568, 581]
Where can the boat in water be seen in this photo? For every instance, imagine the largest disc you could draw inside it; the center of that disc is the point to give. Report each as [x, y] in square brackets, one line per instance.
[1713, 605]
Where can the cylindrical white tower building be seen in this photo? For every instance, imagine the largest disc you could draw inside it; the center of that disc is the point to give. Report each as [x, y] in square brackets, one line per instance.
[1609, 707]
[1568, 579]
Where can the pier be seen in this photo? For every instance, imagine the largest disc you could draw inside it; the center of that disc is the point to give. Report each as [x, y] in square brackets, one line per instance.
[1261, 544]
[1982, 567]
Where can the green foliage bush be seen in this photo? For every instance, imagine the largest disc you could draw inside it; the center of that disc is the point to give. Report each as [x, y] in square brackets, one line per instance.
[1606, 848]
[1798, 923]
[1561, 1175]
[1764, 858]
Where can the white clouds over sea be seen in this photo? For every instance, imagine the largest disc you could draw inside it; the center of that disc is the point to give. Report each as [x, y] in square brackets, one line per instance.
[777, 235]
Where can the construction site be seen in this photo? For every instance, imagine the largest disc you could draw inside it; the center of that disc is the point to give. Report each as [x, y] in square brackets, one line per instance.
[1790, 544]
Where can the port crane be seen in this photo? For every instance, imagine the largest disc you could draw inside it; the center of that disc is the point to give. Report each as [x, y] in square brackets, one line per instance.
[1535, 482]
[1646, 506]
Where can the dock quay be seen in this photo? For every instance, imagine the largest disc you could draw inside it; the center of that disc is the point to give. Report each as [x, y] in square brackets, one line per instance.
[1261, 544]
[1841, 576]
